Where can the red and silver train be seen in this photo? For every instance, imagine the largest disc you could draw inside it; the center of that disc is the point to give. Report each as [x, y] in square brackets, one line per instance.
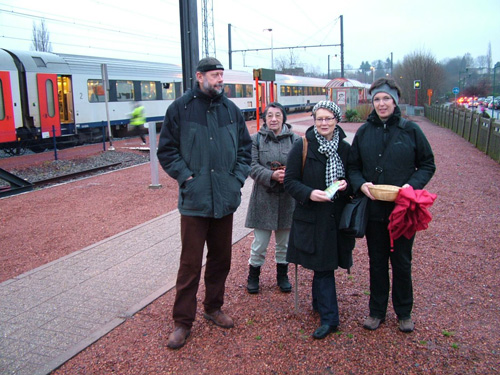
[43, 95]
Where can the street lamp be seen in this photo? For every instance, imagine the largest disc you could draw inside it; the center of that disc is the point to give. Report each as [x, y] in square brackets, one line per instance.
[372, 68]
[497, 65]
[272, 57]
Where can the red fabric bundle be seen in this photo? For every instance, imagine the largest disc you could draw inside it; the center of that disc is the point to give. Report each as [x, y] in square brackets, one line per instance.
[410, 213]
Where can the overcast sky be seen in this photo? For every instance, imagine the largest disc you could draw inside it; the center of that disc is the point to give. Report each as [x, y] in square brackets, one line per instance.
[372, 29]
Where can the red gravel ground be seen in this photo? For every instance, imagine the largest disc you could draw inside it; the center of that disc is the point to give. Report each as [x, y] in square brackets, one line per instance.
[456, 283]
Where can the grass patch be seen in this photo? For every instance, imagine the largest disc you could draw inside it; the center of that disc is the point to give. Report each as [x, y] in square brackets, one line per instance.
[448, 333]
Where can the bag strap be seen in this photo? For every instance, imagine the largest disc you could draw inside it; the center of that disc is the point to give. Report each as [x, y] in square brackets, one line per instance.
[379, 169]
[304, 152]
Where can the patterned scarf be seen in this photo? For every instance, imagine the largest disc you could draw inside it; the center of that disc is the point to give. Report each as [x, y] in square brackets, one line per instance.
[334, 165]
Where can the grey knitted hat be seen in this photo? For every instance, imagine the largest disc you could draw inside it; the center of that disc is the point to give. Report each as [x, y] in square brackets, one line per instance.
[388, 90]
[209, 63]
[329, 105]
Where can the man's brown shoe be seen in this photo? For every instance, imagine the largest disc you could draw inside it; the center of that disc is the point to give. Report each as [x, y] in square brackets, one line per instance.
[220, 319]
[178, 337]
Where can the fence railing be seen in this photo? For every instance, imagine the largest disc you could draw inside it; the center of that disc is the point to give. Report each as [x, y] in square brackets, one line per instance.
[482, 132]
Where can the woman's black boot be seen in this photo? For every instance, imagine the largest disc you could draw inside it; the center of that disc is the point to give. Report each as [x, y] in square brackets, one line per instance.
[282, 277]
[253, 279]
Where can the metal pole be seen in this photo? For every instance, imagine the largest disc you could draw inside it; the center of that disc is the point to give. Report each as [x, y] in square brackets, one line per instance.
[54, 140]
[229, 46]
[497, 65]
[153, 159]
[257, 102]
[296, 290]
[328, 66]
[105, 83]
[189, 42]
[272, 51]
[342, 46]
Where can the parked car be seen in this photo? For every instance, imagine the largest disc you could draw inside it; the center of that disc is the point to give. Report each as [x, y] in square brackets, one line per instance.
[495, 104]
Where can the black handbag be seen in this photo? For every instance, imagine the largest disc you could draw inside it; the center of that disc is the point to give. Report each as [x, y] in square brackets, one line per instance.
[354, 216]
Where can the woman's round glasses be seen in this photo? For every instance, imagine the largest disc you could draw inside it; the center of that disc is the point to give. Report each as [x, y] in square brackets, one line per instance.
[326, 119]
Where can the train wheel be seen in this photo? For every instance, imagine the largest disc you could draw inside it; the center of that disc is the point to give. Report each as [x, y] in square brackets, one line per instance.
[15, 150]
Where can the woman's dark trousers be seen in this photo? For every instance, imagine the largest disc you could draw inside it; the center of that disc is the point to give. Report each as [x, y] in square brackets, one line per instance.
[379, 250]
[324, 295]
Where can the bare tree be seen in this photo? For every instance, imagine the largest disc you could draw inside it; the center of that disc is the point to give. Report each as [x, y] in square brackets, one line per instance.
[420, 66]
[288, 64]
[41, 38]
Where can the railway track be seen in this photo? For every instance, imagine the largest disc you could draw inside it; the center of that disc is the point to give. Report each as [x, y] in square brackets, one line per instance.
[18, 185]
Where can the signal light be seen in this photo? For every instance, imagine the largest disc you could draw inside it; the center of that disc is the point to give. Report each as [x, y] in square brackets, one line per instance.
[416, 84]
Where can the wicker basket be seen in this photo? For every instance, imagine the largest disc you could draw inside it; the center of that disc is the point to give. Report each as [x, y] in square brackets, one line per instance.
[386, 193]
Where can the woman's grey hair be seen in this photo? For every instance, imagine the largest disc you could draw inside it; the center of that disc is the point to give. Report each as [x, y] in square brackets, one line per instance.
[275, 105]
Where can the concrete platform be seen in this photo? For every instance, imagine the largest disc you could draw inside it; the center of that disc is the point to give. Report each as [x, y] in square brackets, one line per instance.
[51, 313]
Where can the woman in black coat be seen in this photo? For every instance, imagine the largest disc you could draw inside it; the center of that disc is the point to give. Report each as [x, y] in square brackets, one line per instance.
[315, 241]
[409, 162]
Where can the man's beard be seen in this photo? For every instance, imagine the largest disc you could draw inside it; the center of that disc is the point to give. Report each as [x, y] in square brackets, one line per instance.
[213, 91]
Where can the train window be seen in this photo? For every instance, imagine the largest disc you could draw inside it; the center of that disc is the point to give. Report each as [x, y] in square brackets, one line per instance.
[2, 102]
[148, 90]
[49, 91]
[239, 90]
[168, 91]
[248, 91]
[95, 90]
[124, 90]
[229, 89]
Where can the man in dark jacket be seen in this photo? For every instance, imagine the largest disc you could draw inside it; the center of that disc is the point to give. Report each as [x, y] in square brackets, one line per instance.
[204, 145]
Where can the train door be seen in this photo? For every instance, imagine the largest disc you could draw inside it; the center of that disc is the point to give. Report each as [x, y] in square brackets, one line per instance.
[65, 96]
[48, 102]
[271, 92]
[274, 96]
[262, 97]
[7, 124]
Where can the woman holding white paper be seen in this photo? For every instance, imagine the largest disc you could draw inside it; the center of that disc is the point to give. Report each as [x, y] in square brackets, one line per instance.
[315, 241]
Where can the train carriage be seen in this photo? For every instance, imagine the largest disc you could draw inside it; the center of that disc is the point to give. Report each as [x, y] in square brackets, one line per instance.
[155, 85]
[300, 93]
[9, 95]
[45, 95]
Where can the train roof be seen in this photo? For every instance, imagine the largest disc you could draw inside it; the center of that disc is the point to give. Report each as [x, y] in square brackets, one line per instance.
[40, 62]
[121, 68]
[6, 61]
[300, 80]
